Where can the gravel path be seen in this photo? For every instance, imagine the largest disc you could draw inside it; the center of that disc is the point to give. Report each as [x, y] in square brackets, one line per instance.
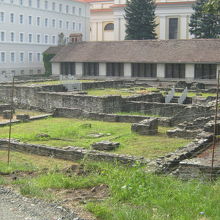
[16, 207]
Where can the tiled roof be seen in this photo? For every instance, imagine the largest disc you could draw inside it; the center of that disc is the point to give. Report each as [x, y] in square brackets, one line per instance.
[150, 51]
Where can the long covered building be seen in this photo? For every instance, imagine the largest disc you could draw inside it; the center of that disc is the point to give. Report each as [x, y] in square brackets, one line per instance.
[149, 59]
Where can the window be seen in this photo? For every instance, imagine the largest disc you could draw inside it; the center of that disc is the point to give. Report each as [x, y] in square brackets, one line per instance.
[38, 38]
[22, 57]
[2, 58]
[38, 21]
[80, 26]
[54, 6]
[12, 55]
[53, 39]
[173, 28]
[73, 10]
[29, 19]
[74, 26]
[30, 3]
[144, 70]
[68, 68]
[60, 24]
[67, 9]
[46, 22]
[38, 71]
[30, 57]
[38, 3]
[21, 19]
[12, 18]
[109, 27]
[21, 2]
[11, 1]
[31, 72]
[60, 7]
[80, 11]
[2, 17]
[2, 36]
[46, 4]
[38, 57]
[175, 70]
[30, 38]
[53, 23]
[21, 37]
[22, 72]
[13, 72]
[46, 37]
[90, 69]
[115, 69]
[67, 25]
[205, 71]
[12, 36]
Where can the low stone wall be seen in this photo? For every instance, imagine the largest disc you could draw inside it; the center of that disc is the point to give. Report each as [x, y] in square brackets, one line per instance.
[34, 97]
[72, 154]
[33, 118]
[151, 97]
[153, 108]
[78, 113]
[171, 162]
[4, 107]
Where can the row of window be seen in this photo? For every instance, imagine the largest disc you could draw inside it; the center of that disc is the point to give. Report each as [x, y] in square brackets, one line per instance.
[45, 22]
[21, 72]
[20, 57]
[172, 70]
[29, 38]
[47, 5]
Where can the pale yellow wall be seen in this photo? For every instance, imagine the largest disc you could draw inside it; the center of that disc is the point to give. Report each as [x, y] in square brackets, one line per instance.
[158, 27]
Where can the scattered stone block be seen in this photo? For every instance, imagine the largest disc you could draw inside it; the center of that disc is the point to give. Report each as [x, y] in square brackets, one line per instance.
[146, 127]
[7, 114]
[86, 126]
[105, 145]
[42, 135]
[23, 117]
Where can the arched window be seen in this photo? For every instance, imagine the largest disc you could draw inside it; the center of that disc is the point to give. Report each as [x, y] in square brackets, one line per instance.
[109, 27]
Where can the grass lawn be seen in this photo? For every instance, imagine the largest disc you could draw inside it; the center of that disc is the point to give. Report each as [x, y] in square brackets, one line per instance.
[133, 193]
[76, 132]
[136, 113]
[120, 91]
[55, 82]
[191, 94]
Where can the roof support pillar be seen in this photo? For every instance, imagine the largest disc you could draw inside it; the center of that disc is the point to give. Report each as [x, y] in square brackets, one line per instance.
[160, 70]
[56, 68]
[190, 71]
[79, 69]
[102, 69]
[127, 70]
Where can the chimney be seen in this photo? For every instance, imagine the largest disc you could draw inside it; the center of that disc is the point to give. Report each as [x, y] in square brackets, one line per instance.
[74, 38]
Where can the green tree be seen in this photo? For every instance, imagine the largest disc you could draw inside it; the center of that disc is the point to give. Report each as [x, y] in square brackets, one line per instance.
[212, 7]
[140, 20]
[203, 24]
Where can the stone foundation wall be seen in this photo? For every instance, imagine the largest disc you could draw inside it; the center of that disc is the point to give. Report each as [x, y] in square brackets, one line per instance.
[72, 154]
[4, 107]
[78, 113]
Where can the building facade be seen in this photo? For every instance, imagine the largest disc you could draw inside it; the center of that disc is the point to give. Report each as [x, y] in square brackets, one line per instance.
[29, 27]
[195, 59]
[107, 19]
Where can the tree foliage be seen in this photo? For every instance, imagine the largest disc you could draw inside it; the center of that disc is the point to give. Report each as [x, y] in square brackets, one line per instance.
[204, 24]
[212, 7]
[140, 20]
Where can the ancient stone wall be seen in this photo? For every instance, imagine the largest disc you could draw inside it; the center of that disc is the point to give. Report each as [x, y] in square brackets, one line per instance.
[78, 113]
[72, 153]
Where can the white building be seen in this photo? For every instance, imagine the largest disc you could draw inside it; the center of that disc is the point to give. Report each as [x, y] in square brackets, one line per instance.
[107, 19]
[29, 27]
